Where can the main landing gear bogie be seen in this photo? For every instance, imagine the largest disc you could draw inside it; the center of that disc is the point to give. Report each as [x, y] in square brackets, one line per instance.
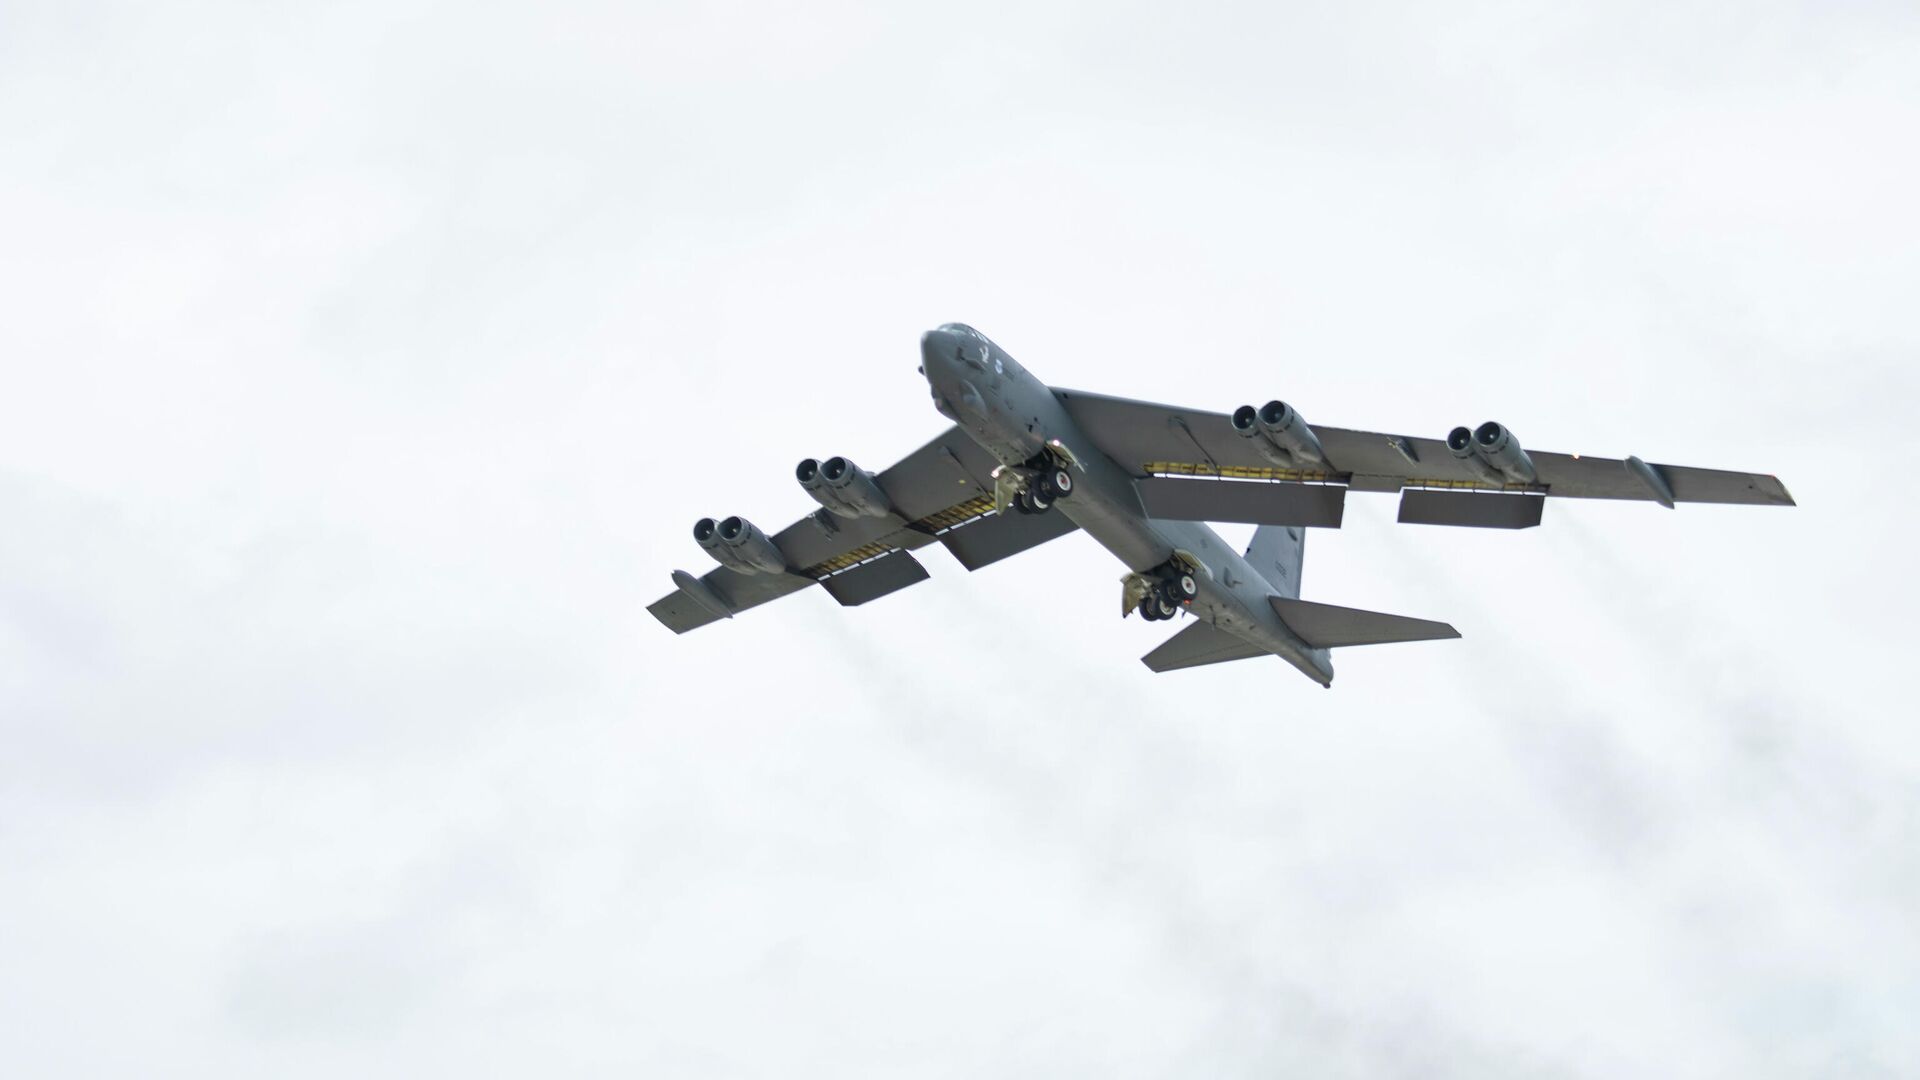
[1166, 596]
[1049, 483]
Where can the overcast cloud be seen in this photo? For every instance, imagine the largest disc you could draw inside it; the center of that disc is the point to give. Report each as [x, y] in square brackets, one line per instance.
[365, 366]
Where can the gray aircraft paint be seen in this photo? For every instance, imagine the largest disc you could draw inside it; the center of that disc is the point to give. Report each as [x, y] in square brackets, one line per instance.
[1014, 415]
[1143, 474]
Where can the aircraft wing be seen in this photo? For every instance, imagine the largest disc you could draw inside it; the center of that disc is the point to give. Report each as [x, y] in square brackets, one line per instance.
[1170, 443]
[941, 493]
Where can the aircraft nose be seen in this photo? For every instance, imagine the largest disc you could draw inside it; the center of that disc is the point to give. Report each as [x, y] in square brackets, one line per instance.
[939, 350]
[946, 365]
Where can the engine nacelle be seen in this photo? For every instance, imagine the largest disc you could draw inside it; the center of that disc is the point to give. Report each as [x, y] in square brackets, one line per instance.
[1460, 441]
[751, 546]
[808, 473]
[1498, 448]
[737, 545]
[706, 533]
[854, 488]
[1280, 435]
[1288, 430]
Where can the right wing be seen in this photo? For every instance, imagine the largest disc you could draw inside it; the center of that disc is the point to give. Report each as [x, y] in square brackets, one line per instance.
[1172, 445]
[942, 492]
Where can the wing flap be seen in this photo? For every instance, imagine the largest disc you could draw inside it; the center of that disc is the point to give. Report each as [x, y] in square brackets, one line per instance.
[996, 536]
[1325, 626]
[1181, 499]
[872, 580]
[1479, 509]
[1197, 646]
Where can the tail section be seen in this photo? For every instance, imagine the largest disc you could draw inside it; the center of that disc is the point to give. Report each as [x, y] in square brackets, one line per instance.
[1277, 552]
[1325, 626]
[1198, 645]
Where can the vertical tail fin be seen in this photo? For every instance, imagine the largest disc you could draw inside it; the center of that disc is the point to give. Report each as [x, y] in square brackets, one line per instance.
[1277, 552]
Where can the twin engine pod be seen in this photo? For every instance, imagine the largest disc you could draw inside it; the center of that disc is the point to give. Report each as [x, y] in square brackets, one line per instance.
[1280, 435]
[843, 488]
[737, 545]
[1494, 452]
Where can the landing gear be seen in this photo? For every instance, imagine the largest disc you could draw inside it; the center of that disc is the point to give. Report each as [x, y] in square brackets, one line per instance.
[1032, 501]
[1161, 593]
[1155, 606]
[1042, 482]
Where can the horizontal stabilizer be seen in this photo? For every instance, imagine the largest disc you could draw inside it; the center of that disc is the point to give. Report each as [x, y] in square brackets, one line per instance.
[996, 536]
[1325, 626]
[1198, 645]
[872, 580]
[1174, 498]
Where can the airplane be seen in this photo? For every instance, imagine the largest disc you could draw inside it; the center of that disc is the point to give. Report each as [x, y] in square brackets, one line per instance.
[1024, 463]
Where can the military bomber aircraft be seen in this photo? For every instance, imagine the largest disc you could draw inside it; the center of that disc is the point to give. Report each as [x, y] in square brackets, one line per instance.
[1024, 463]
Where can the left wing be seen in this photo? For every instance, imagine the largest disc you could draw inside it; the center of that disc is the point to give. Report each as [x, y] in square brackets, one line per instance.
[1171, 443]
[940, 493]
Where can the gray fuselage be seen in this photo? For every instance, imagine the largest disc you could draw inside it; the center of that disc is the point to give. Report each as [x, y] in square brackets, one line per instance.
[1013, 416]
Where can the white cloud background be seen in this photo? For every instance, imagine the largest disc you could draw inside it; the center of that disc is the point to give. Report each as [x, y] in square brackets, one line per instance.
[365, 365]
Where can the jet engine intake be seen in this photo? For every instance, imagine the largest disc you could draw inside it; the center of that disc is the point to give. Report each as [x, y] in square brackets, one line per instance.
[706, 533]
[1460, 442]
[854, 489]
[737, 545]
[1498, 448]
[1288, 430]
[815, 485]
[1280, 435]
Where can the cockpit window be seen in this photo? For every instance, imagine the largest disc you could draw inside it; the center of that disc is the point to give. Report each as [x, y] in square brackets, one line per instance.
[963, 328]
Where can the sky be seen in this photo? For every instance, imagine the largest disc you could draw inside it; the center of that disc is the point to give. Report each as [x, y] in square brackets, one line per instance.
[365, 366]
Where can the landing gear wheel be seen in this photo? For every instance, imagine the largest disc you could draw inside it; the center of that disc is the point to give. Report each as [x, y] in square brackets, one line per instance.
[1165, 607]
[1021, 504]
[1057, 483]
[1039, 500]
[1185, 588]
[1149, 609]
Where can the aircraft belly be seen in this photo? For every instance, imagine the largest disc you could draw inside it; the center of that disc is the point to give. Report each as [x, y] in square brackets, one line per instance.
[1107, 506]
